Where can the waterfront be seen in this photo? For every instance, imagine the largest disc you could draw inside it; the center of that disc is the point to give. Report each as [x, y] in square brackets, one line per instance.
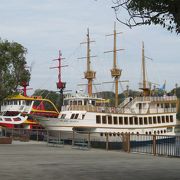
[36, 160]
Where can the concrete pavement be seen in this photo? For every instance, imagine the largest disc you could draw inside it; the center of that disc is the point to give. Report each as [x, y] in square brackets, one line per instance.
[35, 160]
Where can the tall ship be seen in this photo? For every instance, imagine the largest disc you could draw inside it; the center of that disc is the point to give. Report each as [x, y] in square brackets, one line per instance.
[17, 111]
[145, 114]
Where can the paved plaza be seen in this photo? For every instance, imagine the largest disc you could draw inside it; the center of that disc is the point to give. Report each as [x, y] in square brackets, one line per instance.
[36, 160]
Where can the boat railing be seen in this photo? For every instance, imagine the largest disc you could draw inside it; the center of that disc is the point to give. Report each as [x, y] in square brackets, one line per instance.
[100, 109]
[90, 108]
[156, 98]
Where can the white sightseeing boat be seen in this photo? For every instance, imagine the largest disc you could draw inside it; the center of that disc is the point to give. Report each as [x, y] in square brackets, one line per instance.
[147, 114]
[17, 111]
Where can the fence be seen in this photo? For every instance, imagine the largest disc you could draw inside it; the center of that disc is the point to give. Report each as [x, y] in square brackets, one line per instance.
[148, 144]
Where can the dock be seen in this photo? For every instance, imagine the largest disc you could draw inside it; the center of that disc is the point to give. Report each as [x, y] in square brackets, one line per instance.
[36, 160]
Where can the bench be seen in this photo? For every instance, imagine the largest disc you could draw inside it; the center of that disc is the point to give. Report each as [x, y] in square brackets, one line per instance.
[80, 144]
[55, 142]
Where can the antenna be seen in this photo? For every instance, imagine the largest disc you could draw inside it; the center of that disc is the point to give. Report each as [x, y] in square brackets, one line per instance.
[89, 74]
[115, 72]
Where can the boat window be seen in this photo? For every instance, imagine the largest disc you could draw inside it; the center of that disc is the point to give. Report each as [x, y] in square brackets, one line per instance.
[125, 120]
[131, 120]
[0, 119]
[167, 105]
[74, 102]
[17, 119]
[167, 119]
[109, 119]
[150, 120]
[71, 102]
[104, 120]
[8, 119]
[169, 129]
[83, 115]
[145, 120]
[154, 120]
[98, 119]
[63, 116]
[79, 102]
[120, 120]
[72, 116]
[65, 102]
[28, 103]
[159, 119]
[76, 116]
[85, 102]
[140, 121]
[93, 103]
[163, 119]
[136, 120]
[23, 103]
[171, 118]
[115, 120]
[15, 103]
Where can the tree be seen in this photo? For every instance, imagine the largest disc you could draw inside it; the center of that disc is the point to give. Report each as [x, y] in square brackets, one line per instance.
[51, 95]
[146, 12]
[13, 70]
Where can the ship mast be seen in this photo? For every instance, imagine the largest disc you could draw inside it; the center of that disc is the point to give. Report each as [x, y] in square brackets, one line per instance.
[115, 71]
[89, 74]
[60, 85]
[145, 86]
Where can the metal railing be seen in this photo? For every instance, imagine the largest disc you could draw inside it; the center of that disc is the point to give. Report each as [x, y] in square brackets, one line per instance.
[132, 143]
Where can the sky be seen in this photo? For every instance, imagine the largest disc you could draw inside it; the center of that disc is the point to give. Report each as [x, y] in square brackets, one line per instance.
[46, 26]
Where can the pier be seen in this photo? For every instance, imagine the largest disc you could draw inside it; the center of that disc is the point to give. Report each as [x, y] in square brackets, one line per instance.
[36, 160]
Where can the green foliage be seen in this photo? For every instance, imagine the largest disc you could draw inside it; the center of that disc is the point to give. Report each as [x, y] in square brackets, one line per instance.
[51, 95]
[12, 67]
[146, 12]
